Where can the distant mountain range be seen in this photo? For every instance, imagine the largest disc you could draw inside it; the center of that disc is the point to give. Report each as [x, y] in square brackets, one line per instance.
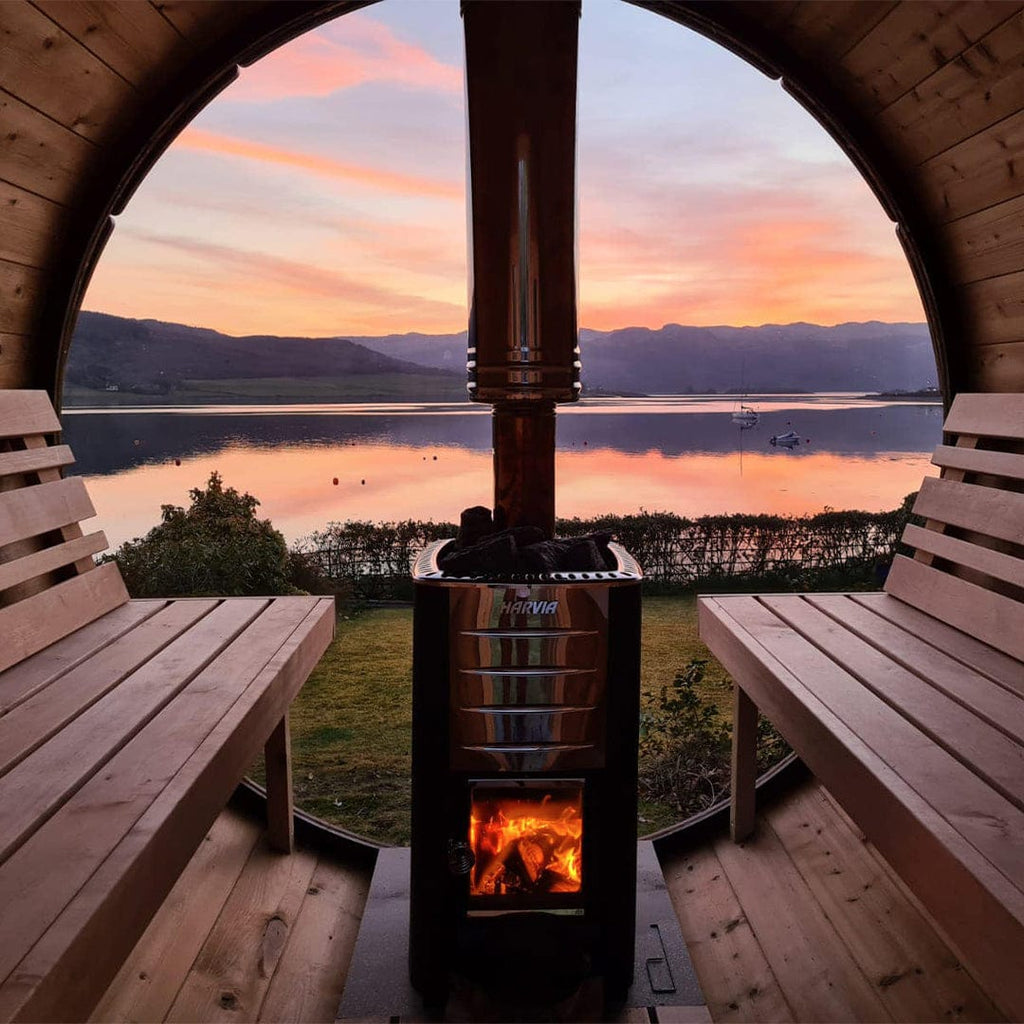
[126, 361]
[674, 359]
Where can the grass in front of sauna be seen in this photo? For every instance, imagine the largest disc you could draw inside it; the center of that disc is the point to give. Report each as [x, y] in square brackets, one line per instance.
[352, 723]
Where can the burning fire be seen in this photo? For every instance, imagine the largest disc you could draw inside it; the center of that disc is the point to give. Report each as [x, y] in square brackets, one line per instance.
[526, 847]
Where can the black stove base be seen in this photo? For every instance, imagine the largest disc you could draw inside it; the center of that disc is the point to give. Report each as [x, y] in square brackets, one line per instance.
[378, 987]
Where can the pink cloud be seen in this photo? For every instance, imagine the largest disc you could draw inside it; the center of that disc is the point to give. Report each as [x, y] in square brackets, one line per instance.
[201, 140]
[350, 51]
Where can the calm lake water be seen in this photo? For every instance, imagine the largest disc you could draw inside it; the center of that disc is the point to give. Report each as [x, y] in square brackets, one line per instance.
[428, 461]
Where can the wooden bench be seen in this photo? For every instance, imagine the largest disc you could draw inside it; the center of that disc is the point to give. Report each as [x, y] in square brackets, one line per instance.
[124, 728]
[909, 704]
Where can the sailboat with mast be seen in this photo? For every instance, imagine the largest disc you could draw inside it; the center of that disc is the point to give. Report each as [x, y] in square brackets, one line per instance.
[744, 415]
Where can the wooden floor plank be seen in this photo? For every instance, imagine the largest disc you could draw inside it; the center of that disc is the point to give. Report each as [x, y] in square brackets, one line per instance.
[310, 978]
[21, 681]
[915, 974]
[819, 978]
[148, 983]
[731, 966]
[233, 971]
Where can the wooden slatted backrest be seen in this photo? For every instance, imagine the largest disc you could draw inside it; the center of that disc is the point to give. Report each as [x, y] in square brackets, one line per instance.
[49, 584]
[968, 563]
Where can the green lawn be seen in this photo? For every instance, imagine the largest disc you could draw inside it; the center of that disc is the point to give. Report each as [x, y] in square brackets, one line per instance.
[351, 725]
[391, 387]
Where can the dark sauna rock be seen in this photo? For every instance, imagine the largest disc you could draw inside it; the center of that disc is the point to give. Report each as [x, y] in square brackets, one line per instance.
[584, 555]
[493, 556]
[522, 549]
[543, 557]
[474, 525]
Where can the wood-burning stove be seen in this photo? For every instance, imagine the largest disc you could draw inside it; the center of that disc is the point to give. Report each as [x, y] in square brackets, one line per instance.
[525, 686]
[525, 724]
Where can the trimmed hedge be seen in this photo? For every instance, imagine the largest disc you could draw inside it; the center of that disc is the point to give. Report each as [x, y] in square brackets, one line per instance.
[712, 552]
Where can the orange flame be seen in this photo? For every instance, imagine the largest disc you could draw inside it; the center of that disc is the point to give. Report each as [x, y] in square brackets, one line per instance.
[526, 847]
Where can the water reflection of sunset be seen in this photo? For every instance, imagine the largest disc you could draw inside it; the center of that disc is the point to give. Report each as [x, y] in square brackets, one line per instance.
[296, 490]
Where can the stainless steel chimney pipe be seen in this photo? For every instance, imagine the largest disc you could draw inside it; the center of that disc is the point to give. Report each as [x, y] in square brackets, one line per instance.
[523, 335]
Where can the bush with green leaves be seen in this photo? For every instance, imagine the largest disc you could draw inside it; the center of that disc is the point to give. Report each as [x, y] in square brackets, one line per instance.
[215, 547]
[686, 746]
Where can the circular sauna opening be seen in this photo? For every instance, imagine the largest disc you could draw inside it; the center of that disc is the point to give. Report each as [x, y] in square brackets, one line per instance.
[741, 291]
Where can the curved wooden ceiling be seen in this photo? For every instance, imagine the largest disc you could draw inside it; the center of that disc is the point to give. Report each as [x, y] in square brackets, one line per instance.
[926, 96]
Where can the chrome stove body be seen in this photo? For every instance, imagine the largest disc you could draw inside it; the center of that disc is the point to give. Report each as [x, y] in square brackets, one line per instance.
[525, 710]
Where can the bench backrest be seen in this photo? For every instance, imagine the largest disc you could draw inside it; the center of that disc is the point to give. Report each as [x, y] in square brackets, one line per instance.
[49, 584]
[968, 566]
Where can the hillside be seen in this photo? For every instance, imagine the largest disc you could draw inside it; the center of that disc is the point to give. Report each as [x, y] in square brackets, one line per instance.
[147, 361]
[154, 359]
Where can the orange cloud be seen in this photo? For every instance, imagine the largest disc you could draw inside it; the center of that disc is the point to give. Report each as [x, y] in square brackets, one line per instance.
[732, 256]
[201, 140]
[353, 50]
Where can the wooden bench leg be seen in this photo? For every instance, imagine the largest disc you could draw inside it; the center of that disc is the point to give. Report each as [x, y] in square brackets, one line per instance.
[744, 765]
[280, 810]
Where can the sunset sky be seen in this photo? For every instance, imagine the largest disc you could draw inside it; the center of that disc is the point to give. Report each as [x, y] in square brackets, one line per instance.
[324, 192]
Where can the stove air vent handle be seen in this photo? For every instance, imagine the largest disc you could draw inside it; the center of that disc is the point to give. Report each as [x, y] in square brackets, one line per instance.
[460, 857]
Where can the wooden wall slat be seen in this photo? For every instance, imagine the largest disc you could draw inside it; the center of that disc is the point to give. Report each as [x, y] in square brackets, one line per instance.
[980, 172]
[21, 290]
[995, 367]
[15, 360]
[987, 243]
[30, 229]
[40, 155]
[133, 38]
[994, 309]
[52, 72]
[982, 86]
[832, 27]
[915, 40]
[201, 20]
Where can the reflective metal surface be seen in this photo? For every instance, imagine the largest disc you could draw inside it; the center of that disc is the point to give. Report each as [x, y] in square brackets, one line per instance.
[528, 676]
[521, 100]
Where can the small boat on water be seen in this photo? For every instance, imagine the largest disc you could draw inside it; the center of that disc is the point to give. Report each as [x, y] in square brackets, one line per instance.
[745, 416]
[790, 439]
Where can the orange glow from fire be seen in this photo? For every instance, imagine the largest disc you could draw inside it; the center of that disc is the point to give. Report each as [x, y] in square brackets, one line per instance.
[526, 846]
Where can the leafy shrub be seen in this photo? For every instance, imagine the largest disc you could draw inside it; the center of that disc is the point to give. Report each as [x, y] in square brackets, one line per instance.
[686, 747]
[216, 547]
